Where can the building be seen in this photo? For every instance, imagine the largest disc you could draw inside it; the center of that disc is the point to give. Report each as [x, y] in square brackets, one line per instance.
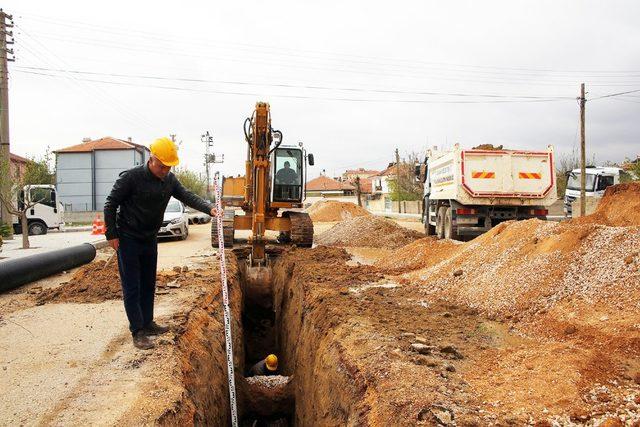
[324, 187]
[351, 174]
[17, 166]
[85, 173]
[380, 199]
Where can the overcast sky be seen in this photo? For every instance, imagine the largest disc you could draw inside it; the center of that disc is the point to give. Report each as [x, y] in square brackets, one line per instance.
[352, 80]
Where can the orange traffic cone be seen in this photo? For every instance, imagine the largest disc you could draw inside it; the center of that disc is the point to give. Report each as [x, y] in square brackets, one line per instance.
[98, 226]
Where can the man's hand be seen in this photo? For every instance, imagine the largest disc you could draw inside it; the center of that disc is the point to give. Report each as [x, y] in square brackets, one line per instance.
[114, 243]
[214, 212]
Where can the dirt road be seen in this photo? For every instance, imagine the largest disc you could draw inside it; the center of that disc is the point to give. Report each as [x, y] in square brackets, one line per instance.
[70, 363]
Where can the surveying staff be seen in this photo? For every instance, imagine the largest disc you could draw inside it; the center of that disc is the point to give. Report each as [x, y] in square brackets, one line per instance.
[133, 214]
[268, 366]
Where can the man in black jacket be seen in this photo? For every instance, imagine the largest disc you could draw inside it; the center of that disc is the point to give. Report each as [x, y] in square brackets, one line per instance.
[133, 214]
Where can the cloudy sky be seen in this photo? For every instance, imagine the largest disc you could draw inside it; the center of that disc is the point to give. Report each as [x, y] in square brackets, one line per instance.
[352, 80]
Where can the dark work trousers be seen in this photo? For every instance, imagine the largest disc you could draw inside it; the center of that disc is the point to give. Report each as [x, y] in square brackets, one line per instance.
[137, 262]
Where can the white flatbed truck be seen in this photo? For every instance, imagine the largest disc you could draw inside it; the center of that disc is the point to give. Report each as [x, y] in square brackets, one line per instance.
[467, 192]
[46, 212]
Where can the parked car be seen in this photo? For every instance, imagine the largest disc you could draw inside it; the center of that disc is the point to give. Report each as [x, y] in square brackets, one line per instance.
[176, 221]
[197, 217]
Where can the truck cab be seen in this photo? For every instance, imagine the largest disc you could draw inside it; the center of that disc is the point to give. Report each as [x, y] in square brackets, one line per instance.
[597, 180]
[46, 212]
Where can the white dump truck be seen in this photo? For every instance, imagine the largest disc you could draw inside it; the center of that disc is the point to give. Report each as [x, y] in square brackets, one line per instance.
[598, 178]
[45, 213]
[466, 192]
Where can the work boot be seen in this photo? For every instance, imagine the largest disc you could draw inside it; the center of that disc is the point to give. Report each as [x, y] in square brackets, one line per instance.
[141, 341]
[154, 329]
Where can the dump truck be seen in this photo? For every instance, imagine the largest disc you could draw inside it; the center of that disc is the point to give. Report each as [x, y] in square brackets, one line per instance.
[468, 191]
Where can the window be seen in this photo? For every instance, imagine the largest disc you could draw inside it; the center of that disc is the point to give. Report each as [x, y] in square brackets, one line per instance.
[288, 175]
[43, 196]
[604, 182]
[173, 206]
[574, 182]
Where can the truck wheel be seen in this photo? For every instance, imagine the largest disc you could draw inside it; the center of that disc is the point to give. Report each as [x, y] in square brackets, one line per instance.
[429, 230]
[449, 232]
[440, 222]
[37, 228]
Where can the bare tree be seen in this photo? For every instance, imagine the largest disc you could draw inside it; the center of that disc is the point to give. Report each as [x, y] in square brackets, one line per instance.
[13, 197]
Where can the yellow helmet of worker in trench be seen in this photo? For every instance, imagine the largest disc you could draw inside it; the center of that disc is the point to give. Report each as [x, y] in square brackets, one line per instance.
[272, 362]
[165, 150]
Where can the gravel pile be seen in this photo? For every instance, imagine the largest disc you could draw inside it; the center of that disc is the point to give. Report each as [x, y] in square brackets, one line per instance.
[370, 231]
[528, 267]
[333, 210]
[422, 253]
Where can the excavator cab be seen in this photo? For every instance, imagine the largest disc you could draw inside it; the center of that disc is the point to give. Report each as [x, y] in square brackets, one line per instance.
[288, 175]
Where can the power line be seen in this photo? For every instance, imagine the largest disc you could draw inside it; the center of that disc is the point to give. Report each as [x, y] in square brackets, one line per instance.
[364, 100]
[615, 94]
[282, 85]
[157, 36]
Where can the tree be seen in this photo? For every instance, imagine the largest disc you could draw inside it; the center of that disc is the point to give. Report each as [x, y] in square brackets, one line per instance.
[192, 181]
[408, 188]
[36, 172]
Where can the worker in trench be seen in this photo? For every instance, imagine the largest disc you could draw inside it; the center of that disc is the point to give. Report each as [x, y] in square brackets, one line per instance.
[267, 366]
[133, 214]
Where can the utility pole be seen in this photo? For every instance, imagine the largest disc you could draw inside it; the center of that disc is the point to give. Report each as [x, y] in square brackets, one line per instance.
[209, 158]
[358, 191]
[5, 149]
[583, 155]
[398, 178]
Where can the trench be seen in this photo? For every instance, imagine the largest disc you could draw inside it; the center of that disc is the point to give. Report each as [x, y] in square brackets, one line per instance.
[315, 384]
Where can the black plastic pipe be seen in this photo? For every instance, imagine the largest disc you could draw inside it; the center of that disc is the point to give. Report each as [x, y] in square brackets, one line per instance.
[17, 272]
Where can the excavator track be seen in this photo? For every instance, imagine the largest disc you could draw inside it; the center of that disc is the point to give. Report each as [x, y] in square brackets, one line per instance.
[301, 229]
[227, 229]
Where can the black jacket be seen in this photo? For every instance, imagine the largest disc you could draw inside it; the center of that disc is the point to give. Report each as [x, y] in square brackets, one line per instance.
[142, 198]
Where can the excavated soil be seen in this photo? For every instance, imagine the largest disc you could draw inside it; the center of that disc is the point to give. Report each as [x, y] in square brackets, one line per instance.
[422, 253]
[368, 348]
[620, 206]
[368, 231]
[99, 281]
[333, 210]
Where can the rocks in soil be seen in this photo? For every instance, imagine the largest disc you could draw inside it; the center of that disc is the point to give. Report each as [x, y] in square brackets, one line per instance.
[422, 348]
[451, 351]
[437, 414]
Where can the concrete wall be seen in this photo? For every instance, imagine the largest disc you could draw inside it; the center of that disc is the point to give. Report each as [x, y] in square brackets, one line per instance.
[81, 216]
[84, 180]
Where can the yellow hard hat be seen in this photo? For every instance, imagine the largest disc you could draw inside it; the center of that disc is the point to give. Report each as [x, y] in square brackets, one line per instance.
[165, 150]
[272, 362]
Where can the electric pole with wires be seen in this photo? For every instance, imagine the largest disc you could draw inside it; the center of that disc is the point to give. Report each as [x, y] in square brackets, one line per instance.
[6, 21]
[398, 178]
[583, 156]
[209, 158]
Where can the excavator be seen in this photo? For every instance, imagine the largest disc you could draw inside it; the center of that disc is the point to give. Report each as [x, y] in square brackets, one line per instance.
[274, 181]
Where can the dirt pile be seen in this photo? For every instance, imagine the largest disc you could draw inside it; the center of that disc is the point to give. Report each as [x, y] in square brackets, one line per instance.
[371, 231]
[620, 206]
[529, 266]
[94, 283]
[333, 210]
[419, 254]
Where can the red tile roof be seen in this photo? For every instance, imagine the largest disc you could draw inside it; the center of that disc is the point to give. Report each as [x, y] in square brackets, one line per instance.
[390, 170]
[106, 143]
[324, 183]
[361, 171]
[17, 159]
[366, 185]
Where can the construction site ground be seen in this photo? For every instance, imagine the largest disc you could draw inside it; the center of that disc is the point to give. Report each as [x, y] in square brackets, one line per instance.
[531, 324]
